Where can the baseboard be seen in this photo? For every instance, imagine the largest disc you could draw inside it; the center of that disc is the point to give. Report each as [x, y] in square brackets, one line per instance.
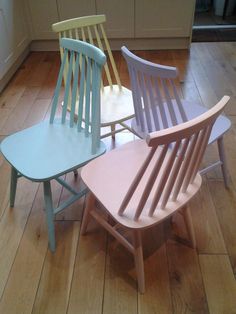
[7, 77]
[116, 44]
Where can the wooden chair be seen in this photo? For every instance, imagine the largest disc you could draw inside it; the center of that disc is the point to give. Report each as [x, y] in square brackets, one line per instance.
[158, 105]
[52, 148]
[116, 100]
[142, 183]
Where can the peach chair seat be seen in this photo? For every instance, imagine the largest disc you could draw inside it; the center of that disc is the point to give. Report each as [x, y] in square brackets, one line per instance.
[110, 176]
[144, 182]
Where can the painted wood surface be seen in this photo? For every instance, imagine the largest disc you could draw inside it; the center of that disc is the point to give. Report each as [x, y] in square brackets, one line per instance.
[52, 148]
[158, 104]
[141, 184]
[173, 285]
[116, 100]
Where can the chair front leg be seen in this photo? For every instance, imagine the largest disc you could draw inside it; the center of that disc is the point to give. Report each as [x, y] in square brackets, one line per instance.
[138, 260]
[49, 215]
[113, 129]
[90, 203]
[223, 160]
[189, 225]
[13, 186]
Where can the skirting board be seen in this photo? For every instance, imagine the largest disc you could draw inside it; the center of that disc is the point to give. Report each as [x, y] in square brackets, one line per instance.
[116, 44]
[6, 78]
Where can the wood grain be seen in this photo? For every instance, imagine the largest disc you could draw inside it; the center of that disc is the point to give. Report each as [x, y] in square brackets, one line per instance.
[55, 283]
[188, 294]
[219, 283]
[12, 226]
[158, 296]
[119, 284]
[88, 281]
[89, 274]
[25, 273]
[207, 229]
[224, 202]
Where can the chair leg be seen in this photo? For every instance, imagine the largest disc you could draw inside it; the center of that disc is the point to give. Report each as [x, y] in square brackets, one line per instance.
[189, 225]
[49, 215]
[75, 172]
[13, 186]
[113, 128]
[223, 160]
[90, 203]
[138, 260]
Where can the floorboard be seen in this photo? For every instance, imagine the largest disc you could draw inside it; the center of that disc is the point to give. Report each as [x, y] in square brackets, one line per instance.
[92, 273]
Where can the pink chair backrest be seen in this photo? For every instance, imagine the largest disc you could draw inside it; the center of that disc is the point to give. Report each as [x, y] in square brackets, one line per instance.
[157, 104]
[175, 171]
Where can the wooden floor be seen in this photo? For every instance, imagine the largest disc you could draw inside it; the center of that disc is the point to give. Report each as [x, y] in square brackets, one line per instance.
[93, 274]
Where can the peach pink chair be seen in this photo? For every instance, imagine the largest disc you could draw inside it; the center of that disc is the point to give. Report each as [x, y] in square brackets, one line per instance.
[142, 183]
[158, 105]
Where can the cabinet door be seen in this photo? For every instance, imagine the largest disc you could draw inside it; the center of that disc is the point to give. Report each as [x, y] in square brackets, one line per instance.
[159, 18]
[69, 9]
[42, 15]
[120, 17]
[14, 36]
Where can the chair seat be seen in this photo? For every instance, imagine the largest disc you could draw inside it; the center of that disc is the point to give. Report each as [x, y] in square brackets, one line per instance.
[192, 110]
[48, 150]
[116, 105]
[109, 178]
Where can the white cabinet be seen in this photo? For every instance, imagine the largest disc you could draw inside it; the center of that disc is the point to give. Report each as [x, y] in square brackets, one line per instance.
[73, 8]
[125, 18]
[145, 24]
[42, 14]
[120, 17]
[14, 36]
[160, 19]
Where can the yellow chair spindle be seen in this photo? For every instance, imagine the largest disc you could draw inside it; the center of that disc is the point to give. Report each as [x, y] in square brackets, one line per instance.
[101, 47]
[113, 65]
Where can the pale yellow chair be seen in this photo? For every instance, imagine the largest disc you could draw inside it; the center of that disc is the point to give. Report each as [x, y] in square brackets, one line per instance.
[116, 100]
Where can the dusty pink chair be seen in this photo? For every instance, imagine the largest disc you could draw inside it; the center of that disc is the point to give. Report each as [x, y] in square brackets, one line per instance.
[142, 183]
[157, 104]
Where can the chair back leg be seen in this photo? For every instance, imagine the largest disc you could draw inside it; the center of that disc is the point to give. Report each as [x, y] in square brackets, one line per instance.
[113, 129]
[13, 186]
[49, 214]
[221, 150]
[138, 260]
[90, 204]
[75, 172]
[189, 225]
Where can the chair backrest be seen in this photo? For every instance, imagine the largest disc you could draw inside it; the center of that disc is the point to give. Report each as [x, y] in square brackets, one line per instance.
[171, 172]
[87, 62]
[156, 101]
[90, 29]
